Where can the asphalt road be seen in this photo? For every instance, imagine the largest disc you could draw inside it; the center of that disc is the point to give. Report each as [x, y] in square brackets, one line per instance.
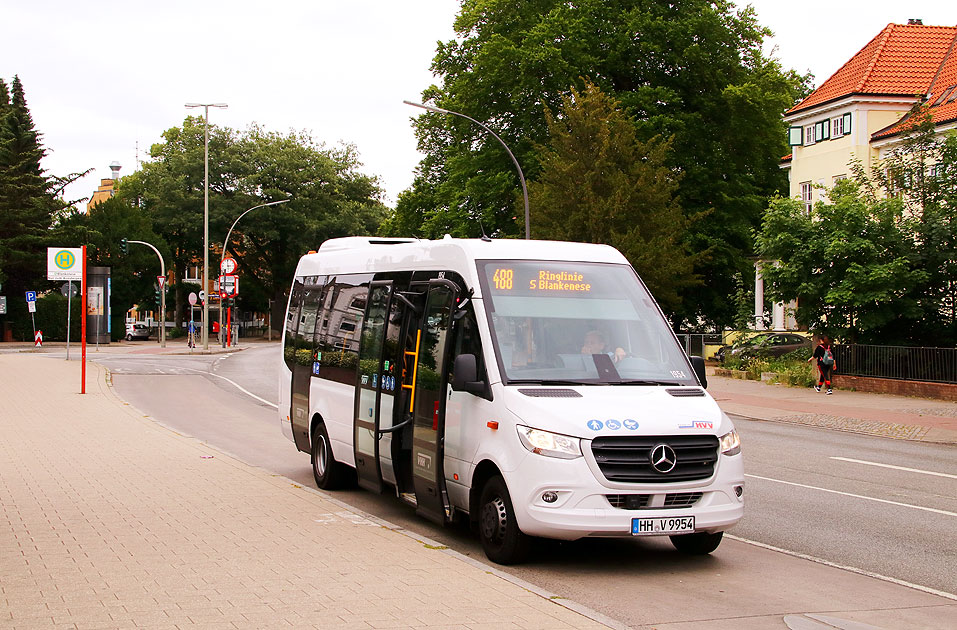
[896, 523]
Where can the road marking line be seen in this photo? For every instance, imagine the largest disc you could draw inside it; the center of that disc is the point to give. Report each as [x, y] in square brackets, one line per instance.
[864, 572]
[236, 385]
[915, 470]
[856, 496]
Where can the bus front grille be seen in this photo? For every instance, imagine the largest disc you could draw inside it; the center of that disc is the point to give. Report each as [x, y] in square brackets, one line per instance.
[628, 459]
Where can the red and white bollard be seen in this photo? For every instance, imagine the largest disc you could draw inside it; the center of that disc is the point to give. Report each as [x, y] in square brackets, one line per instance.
[38, 339]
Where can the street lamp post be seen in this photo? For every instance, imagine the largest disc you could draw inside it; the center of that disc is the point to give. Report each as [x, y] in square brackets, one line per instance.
[222, 255]
[206, 107]
[162, 334]
[521, 175]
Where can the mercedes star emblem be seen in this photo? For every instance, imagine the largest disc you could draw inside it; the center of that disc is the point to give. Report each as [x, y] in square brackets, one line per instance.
[663, 458]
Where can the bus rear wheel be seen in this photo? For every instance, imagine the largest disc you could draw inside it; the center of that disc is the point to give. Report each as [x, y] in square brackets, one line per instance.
[325, 468]
[698, 544]
[501, 538]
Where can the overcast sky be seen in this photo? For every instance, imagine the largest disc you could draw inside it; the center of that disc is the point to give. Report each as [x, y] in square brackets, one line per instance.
[102, 77]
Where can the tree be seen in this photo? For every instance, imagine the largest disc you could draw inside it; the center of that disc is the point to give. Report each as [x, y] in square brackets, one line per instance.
[132, 275]
[27, 206]
[600, 184]
[689, 70]
[921, 172]
[328, 197]
[849, 263]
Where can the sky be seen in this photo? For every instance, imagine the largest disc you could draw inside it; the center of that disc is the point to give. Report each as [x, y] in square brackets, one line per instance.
[104, 80]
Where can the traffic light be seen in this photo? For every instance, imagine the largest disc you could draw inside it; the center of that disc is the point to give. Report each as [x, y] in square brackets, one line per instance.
[124, 246]
[157, 292]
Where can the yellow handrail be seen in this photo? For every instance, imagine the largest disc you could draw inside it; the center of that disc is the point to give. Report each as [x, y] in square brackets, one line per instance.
[415, 369]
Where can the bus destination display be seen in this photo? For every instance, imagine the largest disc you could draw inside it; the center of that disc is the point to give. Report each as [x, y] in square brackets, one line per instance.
[534, 279]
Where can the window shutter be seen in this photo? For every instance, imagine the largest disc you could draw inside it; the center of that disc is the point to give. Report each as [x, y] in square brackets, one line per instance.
[847, 123]
[795, 136]
[826, 130]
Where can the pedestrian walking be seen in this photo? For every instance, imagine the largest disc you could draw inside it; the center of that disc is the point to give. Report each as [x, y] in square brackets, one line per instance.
[825, 364]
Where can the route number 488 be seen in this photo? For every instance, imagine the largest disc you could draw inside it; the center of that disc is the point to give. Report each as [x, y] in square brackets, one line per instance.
[503, 279]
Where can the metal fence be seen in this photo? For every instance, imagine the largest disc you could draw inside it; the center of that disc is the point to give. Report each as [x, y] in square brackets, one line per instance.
[935, 365]
[694, 343]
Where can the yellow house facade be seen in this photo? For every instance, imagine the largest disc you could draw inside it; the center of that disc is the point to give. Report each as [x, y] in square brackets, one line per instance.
[860, 112]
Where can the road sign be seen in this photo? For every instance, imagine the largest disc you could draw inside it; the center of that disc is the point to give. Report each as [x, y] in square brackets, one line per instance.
[161, 280]
[192, 299]
[38, 339]
[202, 296]
[228, 286]
[32, 306]
[3, 305]
[68, 289]
[64, 263]
[31, 296]
[228, 265]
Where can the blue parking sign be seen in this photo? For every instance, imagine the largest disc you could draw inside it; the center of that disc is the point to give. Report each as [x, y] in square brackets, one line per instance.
[31, 296]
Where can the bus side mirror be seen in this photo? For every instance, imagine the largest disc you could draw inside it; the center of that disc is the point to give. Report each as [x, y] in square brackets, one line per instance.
[465, 371]
[697, 363]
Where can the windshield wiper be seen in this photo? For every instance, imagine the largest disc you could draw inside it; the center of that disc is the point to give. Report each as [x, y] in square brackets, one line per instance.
[642, 382]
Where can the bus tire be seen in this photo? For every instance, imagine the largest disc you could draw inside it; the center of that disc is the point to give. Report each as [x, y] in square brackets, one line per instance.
[698, 544]
[502, 540]
[325, 468]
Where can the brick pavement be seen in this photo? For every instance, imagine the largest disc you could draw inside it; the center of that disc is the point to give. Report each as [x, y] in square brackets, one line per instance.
[882, 415]
[109, 520]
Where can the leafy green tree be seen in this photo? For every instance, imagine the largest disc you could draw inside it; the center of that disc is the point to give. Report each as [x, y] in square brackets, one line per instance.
[133, 275]
[689, 70]
[848, 262]
[921, 172]
[599, 183]
[328, 197]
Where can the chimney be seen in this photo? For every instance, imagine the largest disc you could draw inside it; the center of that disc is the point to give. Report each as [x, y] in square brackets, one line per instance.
[115, 167]
[915, 21]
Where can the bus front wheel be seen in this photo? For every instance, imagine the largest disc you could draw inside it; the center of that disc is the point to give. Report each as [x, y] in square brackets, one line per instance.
[501, 538]
[325, 468]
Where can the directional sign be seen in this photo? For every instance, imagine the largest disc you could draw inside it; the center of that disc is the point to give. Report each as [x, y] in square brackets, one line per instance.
[228, 286]
[63, 263]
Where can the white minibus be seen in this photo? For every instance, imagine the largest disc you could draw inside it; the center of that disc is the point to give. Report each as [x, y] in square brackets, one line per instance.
[532, 387]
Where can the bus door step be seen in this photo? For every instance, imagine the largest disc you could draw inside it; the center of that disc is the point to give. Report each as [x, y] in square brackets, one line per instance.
[409, 497]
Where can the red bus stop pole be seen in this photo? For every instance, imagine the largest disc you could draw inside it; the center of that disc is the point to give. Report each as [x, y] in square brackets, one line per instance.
[83, 328]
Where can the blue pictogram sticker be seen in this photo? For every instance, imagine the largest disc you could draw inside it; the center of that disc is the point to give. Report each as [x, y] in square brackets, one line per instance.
[595, 425]
[614, 425]
[375, 381]
[630, 424]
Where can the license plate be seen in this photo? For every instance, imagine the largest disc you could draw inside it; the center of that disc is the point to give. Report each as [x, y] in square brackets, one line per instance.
[661, 525]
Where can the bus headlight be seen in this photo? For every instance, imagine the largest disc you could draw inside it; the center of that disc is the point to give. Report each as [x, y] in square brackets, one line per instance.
[549, 444]
[730, 443]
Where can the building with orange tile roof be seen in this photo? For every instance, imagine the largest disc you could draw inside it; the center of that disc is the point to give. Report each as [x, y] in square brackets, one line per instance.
[861, 111]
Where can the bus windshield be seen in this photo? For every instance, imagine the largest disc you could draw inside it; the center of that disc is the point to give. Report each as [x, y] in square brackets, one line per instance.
[570, 323]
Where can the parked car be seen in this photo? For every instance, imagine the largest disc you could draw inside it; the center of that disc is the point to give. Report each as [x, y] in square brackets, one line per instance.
[765, 345]
[137, 331]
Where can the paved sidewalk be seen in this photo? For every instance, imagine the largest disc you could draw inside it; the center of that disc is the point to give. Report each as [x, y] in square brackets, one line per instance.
[884, 415]
[109, 520]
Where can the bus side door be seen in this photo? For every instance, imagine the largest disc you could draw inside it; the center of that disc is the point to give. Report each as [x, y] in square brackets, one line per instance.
[375, 377]
[428, 430]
